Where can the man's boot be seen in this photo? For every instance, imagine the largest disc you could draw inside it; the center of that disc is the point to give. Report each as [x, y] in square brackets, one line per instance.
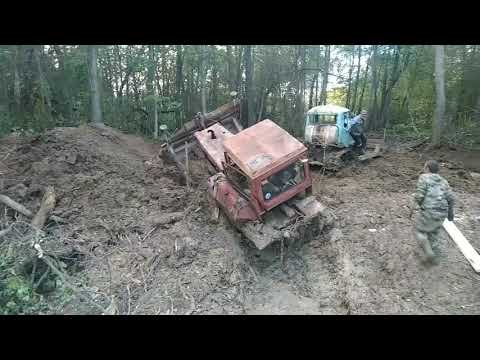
[427, 248]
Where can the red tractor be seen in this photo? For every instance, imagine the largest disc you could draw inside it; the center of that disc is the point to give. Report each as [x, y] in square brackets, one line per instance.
[260, 176]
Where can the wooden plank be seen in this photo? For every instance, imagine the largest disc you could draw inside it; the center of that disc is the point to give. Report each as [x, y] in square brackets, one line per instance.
[371, 155]
[467, 250]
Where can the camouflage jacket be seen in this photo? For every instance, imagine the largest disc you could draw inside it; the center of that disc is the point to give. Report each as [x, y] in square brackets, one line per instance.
[433, 194]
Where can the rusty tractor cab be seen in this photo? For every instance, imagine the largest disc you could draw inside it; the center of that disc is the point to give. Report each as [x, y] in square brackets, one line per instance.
[262, 182]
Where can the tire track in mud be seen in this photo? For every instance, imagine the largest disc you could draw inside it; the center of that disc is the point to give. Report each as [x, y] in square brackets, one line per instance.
[308, 282]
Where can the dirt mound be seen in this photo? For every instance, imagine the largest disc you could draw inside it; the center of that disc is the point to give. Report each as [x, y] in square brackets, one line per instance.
[90, 170]
[114, 194]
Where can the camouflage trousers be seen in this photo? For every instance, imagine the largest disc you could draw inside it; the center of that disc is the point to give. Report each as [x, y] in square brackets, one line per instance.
[427, 229]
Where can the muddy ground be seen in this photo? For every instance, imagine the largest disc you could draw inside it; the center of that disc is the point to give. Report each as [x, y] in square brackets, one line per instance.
[113, 191]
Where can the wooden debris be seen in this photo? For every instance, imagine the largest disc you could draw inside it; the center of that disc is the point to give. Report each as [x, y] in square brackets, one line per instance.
[467, 250]
[15, 206]
[166, 219]
[46, 207]
[371, 155]
[412, 146]
[24, 211]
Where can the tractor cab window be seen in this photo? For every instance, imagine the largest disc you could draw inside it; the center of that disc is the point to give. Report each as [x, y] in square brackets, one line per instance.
[283, 180]
[322, 119]
[238, 179]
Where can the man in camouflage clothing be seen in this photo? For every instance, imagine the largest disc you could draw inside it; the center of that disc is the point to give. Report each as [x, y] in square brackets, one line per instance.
[435, 199]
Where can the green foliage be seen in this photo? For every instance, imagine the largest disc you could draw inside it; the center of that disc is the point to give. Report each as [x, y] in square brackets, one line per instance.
[337, 96]
[7, 123]
[16, 294]
[286, 79]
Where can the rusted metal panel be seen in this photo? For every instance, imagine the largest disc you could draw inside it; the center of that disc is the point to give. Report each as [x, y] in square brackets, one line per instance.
[238, 209]
[262, 147]
[211, 141]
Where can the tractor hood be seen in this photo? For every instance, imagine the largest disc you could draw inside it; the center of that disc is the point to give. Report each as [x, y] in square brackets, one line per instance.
[262, 147]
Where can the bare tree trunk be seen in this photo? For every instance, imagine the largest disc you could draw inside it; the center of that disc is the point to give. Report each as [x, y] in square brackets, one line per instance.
[373, 107]
[316, 76]
[411, 81]
[438, 122]
[45, 102]
[357, 79]
[299, 88]
[155, 113]
[179, 90]
[16, 81]
[231, 82]
[326, 68]
[312, 87]
[214, 84]
[96, 112]
[164, 72]
[365, 77]
[461, 94]
[248, 84]
[383, 94]
[262, 101]
[350, 72]
[303, 78]
[476, 115]
[203, 75]
[395, 76]
[239, 68]
[151, 89]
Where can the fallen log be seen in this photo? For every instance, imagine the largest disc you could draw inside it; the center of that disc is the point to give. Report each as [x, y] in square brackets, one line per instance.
[158, 220]
[16, 206]
[46, 207]
[371, 155]
[416, 144]
[24, 211]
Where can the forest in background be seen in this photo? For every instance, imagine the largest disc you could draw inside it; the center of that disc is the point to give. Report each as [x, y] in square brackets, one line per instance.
[410, 90]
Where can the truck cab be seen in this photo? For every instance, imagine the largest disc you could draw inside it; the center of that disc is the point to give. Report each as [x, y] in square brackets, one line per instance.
[328, 125]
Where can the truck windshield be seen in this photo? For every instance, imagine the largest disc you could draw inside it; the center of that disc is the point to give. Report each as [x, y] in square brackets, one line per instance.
[314, 119]
[283, 180]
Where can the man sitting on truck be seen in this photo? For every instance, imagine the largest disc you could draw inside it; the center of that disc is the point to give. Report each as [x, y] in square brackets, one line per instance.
[357, 132]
